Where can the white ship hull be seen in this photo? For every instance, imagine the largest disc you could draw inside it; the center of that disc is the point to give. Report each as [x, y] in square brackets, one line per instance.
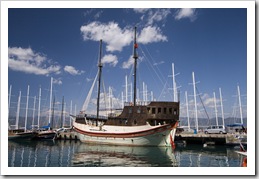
[146, 135]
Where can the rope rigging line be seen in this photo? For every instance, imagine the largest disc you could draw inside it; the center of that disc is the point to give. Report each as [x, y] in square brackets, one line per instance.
[157, 71]
[203, 105]
[152, 66]
[83, 88]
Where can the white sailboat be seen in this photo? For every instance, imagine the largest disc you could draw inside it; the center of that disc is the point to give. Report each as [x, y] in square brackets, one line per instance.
[153, 124]
[18, 133]
[49, 133]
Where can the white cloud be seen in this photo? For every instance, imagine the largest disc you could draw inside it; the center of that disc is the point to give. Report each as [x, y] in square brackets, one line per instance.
[208, 100]
[98, 14]
[115, 37]
[57, 81]
[27, 61]
[158, 15]
[150, 16]
[140, 10]
[110, 59]
[89, 79]
[88, 12]
[186, 13]
[151, 34]
[129, 63]
[71, 70]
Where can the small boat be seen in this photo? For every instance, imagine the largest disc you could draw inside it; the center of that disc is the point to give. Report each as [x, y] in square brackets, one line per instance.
[152, 124]
[45, 133]
[20, 134]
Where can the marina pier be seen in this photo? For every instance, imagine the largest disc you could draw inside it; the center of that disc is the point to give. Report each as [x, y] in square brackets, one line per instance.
[210, 139]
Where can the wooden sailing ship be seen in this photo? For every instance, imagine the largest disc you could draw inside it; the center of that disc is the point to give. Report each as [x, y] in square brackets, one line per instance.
[139, 124]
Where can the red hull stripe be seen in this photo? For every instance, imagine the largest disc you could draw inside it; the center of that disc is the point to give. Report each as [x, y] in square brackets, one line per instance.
[125, 135]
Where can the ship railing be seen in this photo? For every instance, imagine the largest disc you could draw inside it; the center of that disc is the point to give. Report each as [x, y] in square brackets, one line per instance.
[92, 116]
[138, 103]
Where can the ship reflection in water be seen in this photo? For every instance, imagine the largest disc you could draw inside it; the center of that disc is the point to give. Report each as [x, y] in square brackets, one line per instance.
[76, 154]
[126, 156]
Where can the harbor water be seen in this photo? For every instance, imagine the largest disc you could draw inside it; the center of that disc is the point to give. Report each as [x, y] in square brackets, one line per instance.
[70, 153]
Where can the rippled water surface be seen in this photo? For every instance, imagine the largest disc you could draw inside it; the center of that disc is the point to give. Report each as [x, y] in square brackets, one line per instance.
[77, 154]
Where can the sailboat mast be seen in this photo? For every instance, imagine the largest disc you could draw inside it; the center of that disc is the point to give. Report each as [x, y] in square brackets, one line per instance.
[26, 112]
[174, 84]
[9, 100]
[99, 80]
[187, 110]
[126, 89]
[52, 120]
[18, 111]
[221, 104]
[195, 103]
[71, 106]
[135, 56]
[215, 107]
[33, 112]
[50, 99]
[39, 108]
[61, 120]
[240, 105]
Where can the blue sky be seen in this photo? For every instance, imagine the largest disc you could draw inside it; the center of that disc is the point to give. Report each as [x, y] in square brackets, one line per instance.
[64, 44]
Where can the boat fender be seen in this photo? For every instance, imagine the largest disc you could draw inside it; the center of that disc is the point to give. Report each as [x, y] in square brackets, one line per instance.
[172, 142]
[244, 164]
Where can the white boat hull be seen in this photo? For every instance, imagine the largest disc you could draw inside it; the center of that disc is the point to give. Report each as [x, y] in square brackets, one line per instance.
[145, 135]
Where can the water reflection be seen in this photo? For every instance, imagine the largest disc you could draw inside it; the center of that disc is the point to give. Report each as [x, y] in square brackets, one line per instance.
[211, 156]
[71, 153]
[110, 156]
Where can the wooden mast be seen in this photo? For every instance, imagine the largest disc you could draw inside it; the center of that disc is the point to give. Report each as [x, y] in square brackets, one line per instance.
[99, 80]
[135, 56]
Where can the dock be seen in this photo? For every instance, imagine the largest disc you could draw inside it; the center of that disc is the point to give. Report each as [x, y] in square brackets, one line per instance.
[67, 136]
[211, 139]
